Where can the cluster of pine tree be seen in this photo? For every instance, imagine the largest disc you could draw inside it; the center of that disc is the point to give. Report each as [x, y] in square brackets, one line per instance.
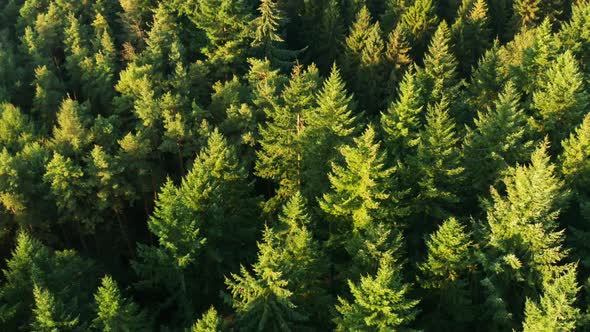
[295, 165]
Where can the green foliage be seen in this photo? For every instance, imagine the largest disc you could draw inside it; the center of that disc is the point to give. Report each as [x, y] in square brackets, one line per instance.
[114, 312]
[555, 310]
[420, 20]
[561, 101]
[380, 302]
[210, 322]
[49, 314]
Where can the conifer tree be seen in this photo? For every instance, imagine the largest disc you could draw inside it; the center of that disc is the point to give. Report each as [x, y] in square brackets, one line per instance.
[556, 309]
[210, 322]
[436, 168]
[397, 57]
[501, 137]
[16, 290]
[267, 35]
[525, 245]
[70, 137]
[361, 187]
[470, 34]
[420, 20]
[263, 301]
[331, 124]
[561, 101]
[573, 35]
[445, 273]
[402, 121]
[527, 13]
[487, 80]
[440, 76]
[392, 14]
[225, 25]
[380, 302]
[281, 152]
[114, 312]
[48, 96]
[331, 36]
[50, 314]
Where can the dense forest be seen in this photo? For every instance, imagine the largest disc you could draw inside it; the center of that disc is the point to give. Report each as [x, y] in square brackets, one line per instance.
[294, 165]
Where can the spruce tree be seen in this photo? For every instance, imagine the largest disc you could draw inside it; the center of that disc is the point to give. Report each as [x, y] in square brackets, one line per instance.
[500, 138]
[331, 36]
[380, 302]
[556, 310]
[267, 35]
[527, 13]
[420, 21]
[487, 80]
[281, 153]
[210, 322]
[361, 191]
[114, 312]
[440, 75]
[50, 314]
[561, 101]
[397, 57]
[470, 34]
[525, 245]
[573, 35]
[70, 136]
[446, 272]
[436, 169]
[330, 125]
[403, 119]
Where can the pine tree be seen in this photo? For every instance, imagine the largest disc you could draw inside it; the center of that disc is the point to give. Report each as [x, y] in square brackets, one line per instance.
[380, 302]
[397, 57]
[392, 14]
[267, 37]
[420, 21]
[487, 80]
[331, 36]
[501, 138]
[331, 124]
[402, 121]
[446, 272]
[527, 13]
[281, 152]
[556, 310]
[561, 101]
[49, 314]
[225, 25]
[263, 301]
[360, 191]
[16, 129]
[440, 76]
[525, 246]
[16, 290]
[49, 92]
[436, 168]
[114, 312]
[470, 34]
[70, 136]
[573, 35]
[210, 322]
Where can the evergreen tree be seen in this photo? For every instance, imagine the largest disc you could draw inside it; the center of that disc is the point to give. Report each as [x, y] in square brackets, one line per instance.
[268, 38]
[527, 13]
[114, 312]
[403, 119]
[573, 35]
[500, 138]
[470, 33]
[210, 322]
[281, 152]
[263, 301]
[556, 309]
[331, 36]
[446, 272]
[380, 302]
[49, 314]
[420, 21]
[525, 245]
[561, 101]
[487, 80]
[440, 76]
[397, 57]
[70, 137]
[331, 124]
[436, 168]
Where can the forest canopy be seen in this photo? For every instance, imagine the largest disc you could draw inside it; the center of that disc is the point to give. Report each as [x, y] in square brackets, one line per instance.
[294, 165]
